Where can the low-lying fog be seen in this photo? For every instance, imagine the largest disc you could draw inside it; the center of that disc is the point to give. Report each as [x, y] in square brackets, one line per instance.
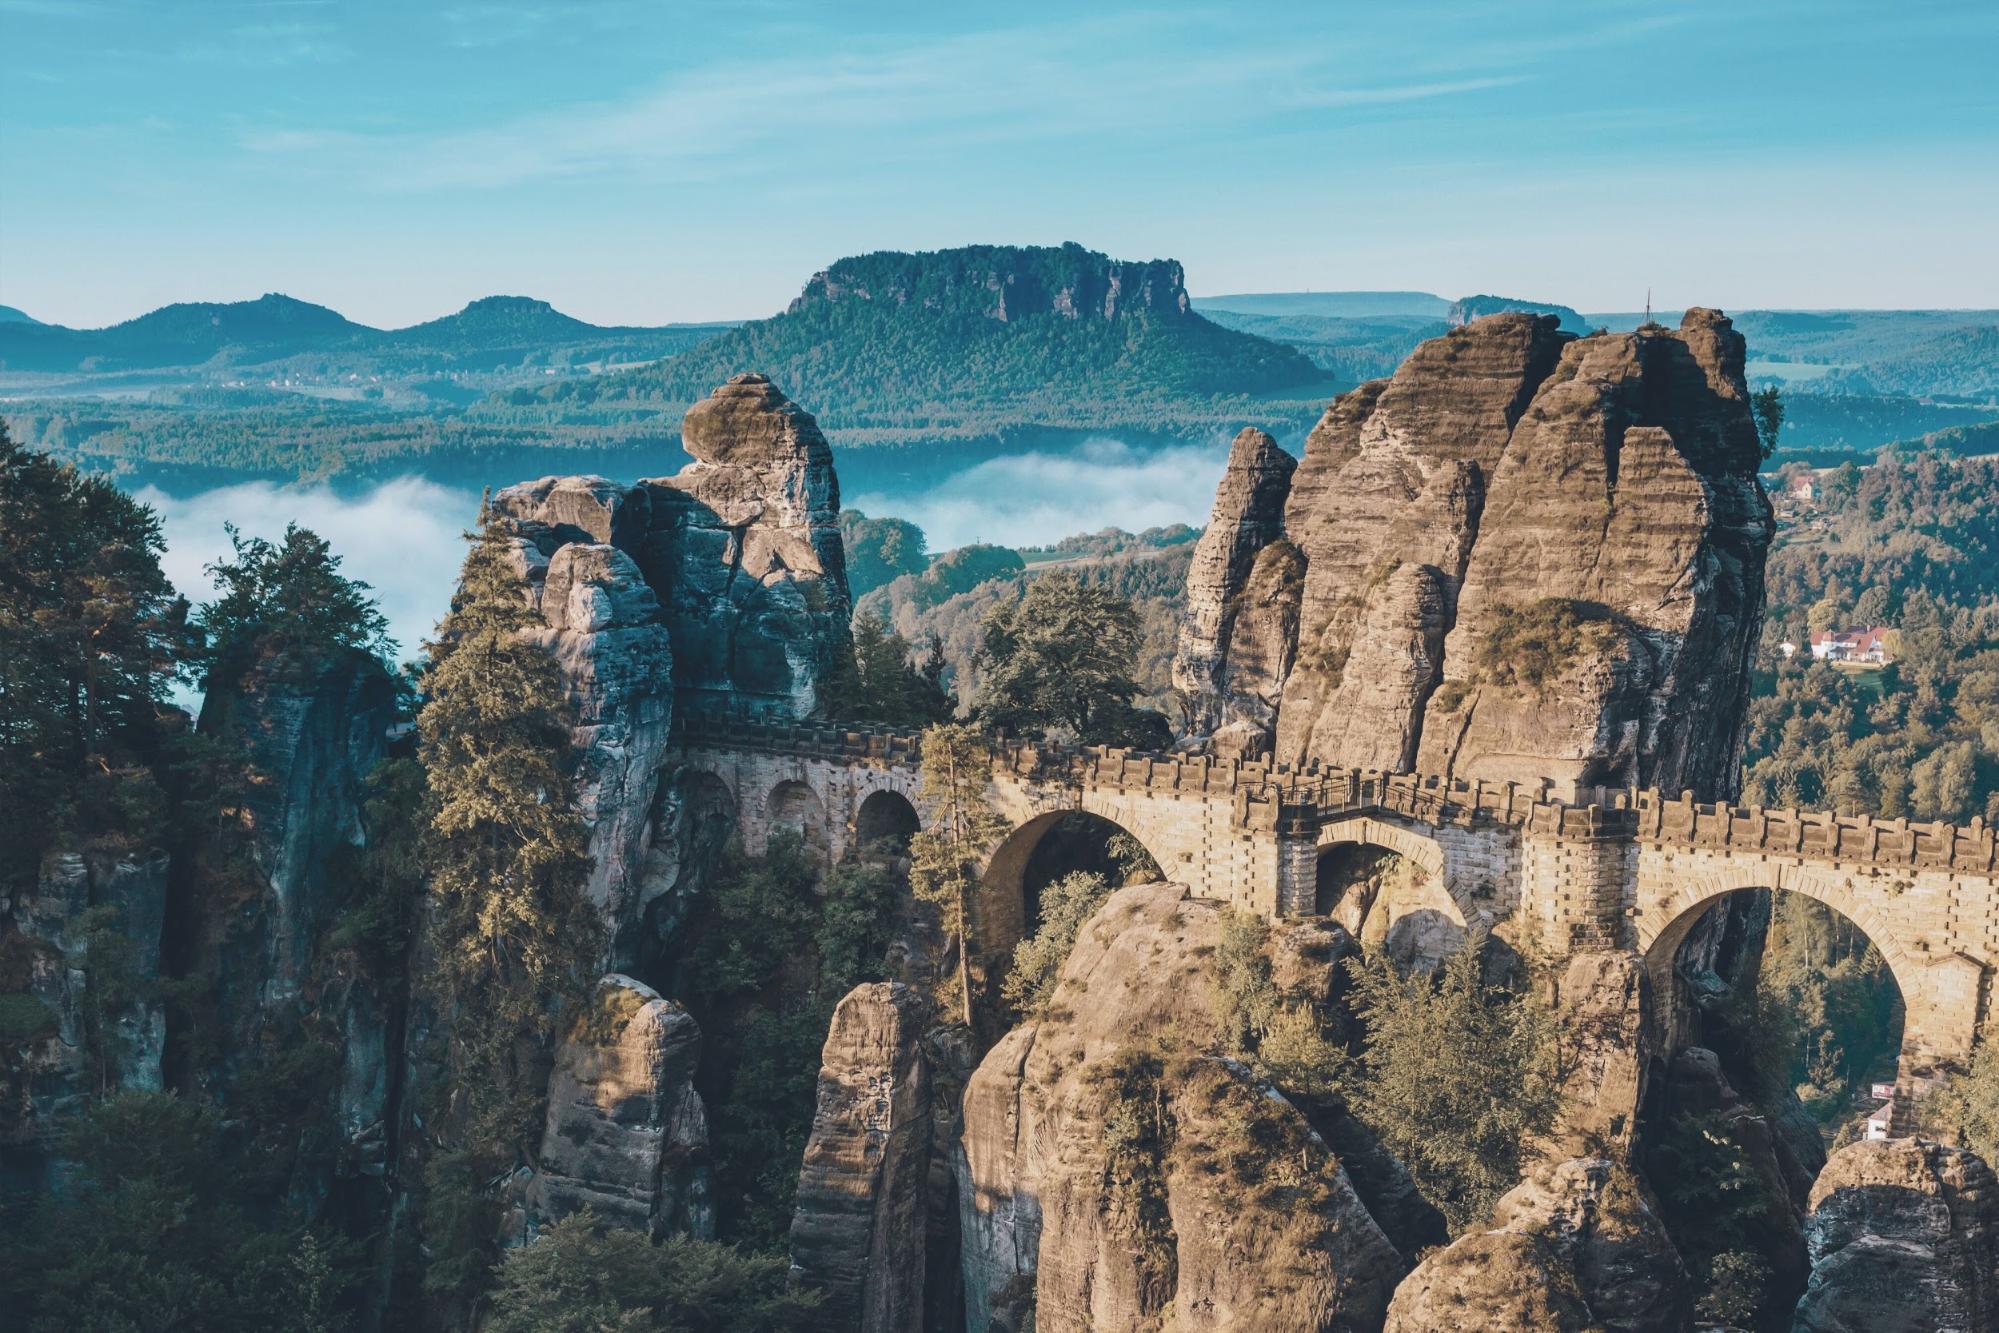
[403, 537]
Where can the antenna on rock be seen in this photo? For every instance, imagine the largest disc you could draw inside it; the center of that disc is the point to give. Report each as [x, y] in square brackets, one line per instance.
[1648, 305]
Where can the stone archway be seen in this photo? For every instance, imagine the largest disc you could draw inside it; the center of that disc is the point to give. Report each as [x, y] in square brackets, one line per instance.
[886, 816]
[1388, 886]
[1682, 984]
[794, 806]
[1047, 846]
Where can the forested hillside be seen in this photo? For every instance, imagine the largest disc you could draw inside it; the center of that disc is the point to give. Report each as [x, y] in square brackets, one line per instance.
[1912, 544]
[974, 342]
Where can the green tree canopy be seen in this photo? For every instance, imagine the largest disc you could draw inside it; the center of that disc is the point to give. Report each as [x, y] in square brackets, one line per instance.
[91, 634]
[959, 829]
[884, 683]
[1060, 661]
[579, 1277]
[515, 937]
[284, 608]
[879, 550]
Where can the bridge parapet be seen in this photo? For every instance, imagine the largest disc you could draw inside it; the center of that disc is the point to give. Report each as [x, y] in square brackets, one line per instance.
[1276, 797]
[1816, 835]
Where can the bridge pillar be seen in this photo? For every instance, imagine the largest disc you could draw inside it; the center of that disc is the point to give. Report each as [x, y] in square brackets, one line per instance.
[1576, 890]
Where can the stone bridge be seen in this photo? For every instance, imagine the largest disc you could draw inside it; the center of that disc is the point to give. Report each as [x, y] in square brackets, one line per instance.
[1556, 871]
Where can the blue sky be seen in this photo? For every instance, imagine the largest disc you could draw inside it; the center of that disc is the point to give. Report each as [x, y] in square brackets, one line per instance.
[644, 162]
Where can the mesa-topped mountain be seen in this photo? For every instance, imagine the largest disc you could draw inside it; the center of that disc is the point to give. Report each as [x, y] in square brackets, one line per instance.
[978, 341]
[492, 333]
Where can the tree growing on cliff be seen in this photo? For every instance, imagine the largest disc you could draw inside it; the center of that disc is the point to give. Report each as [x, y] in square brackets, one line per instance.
[883, 683]
[581, 1277]
[284, 608]
[1766, 405]
[91, 633]
[1061, 661]
[959, 829]
[515, 937]
[1454, 1076]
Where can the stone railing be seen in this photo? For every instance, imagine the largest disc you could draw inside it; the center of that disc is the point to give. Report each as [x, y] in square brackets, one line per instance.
[1814, 835]
[1297, 801]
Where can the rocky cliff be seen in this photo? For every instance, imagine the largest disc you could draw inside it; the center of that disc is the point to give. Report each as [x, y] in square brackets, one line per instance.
[722, 585]
[1524, 555]
[1903, 1235]
[1232, 695]
[1006, 282]
[1112, 1176]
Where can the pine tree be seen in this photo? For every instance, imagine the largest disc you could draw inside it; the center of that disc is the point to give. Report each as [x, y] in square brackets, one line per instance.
[515, 934]
[1061, 661]
[959, 831]
[284, 608]
[91, 634]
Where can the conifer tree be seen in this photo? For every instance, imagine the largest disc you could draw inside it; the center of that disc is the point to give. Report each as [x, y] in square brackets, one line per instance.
[514, 932]
[958, 832]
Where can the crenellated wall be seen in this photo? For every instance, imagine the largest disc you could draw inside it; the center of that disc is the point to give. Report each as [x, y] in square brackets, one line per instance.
[1566, 871]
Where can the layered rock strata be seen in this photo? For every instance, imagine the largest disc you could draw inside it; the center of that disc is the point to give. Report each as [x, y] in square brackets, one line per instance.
[1576, 1246]
[1525, 556]
[1904, 1236]
[724, 584]
[626, 1134]
[1111, 1177]
[861, 1220]
[1222, 589]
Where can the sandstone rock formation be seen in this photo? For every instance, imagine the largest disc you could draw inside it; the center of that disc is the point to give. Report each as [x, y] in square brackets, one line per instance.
[49, 1067]
[722, 585]
[626, 1133]
[745, 550]
[1575, 1246]
[312, 742]
[1112, 1177]
[1601, 1022]
[1904, 1236]
[1525, 555]
[861, 1219]
[1248, 517]
[741, 548]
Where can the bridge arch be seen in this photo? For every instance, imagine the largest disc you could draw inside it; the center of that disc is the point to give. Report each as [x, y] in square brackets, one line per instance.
[1392, 887]
[1930, 1030]
[885, 814]
[793, 805]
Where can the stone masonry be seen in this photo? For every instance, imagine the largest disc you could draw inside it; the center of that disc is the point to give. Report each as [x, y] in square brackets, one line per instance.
[1566, 871]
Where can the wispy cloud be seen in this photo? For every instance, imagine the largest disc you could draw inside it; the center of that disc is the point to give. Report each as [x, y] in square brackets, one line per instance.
[269, 45]
[872, 100]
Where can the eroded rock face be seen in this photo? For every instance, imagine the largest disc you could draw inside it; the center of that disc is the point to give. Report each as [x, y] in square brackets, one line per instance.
[859, 1226]
[1577, 1245]
[49, 1066]
[725, 583]
[1512, 485]
[626, 1134]
[745, 548]
[312, 743]
[1629, 495]
[1106, 1181]
[606, 634]
[1602, 1014]
[1248, 517]
[1904, 1236]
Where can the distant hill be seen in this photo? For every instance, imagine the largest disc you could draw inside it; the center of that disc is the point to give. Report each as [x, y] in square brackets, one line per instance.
[1333, 305]
[1351, 349]
[9, 315]
[282, 335]
[976, 342]
[1468, 308]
